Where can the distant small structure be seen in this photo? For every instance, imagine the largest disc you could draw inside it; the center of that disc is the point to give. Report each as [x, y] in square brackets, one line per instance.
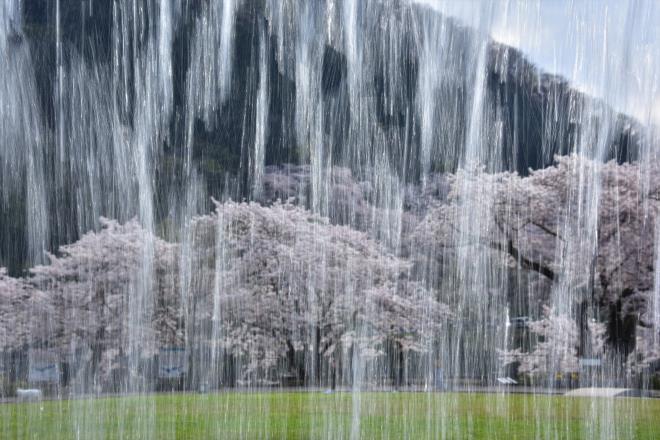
[519, 322]
[507, 381]
[44, 367]
[172, 363]
[439, 379]
[590, 362]
[30, 394]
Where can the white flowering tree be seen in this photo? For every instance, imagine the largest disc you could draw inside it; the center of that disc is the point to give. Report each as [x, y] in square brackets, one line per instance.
[91, 287]
[276, 288]
[557, 345]
[286, 283]
[22, 310]
[279, 290]
[587, 228]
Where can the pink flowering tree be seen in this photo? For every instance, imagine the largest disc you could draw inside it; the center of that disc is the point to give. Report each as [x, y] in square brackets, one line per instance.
[288, 286]
[557, 344]
[22, 311]
[586, 228]
[91, 286]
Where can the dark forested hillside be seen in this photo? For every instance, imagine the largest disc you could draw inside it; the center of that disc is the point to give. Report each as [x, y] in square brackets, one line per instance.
[531, 115]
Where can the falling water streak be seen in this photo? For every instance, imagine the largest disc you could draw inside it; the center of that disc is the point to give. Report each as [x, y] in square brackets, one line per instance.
[354, 56]
[209, 75]
[262, 111]
[61, 154]
[306, 76]
[429, 82]
[655, 300]
[480, 272]
[226, 47]
[219, 291]
[136, 118]
[23, 132]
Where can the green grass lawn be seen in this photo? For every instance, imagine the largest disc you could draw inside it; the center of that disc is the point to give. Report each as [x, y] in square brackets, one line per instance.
[309, 415]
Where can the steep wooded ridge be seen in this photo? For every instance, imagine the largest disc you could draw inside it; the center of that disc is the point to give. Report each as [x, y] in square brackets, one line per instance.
[538, 115]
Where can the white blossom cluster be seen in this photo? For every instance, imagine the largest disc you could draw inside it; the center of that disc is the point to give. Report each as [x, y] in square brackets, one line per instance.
[264, 283]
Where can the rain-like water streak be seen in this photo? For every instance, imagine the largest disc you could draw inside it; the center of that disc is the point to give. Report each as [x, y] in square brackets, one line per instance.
[357, 195]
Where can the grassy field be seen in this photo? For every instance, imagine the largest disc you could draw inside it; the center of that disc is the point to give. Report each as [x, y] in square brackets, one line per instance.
[308, 415]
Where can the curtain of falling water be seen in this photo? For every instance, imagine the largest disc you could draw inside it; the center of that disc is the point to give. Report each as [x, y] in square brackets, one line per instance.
[582, 224]
[24, 136]
[477, 271]
[414, 100]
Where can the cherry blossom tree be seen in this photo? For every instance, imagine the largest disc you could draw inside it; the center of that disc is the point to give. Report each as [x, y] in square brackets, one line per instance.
[278, 290]
[586, 227]
[287, 281]
[557, 345]
[22, 309]
[89, 287]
